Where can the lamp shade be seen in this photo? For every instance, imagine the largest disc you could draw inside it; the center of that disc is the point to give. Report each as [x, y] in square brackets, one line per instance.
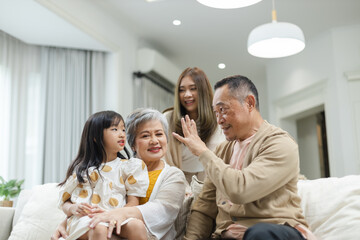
[228, 4]
[275, 40]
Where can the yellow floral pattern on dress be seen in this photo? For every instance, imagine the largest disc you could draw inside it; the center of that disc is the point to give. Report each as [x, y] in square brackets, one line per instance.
[95, 198]
[121, 180]
[131, 180]
[106, 168]
[113, 202]
[83, 193]
[66, 196]
[94, 176]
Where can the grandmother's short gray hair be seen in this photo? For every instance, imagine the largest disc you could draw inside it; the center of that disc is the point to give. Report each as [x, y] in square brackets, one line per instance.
[140, 116]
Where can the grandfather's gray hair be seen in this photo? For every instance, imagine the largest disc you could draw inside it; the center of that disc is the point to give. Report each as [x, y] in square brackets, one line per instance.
[140, 116]
[240, 87]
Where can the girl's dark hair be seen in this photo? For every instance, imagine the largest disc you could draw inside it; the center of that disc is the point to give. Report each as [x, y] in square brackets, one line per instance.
[92, 151]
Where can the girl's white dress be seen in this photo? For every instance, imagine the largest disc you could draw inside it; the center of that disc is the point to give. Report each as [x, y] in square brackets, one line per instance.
[107, 190]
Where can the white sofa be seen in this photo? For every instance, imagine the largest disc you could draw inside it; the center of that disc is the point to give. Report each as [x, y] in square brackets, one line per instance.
[331, 207]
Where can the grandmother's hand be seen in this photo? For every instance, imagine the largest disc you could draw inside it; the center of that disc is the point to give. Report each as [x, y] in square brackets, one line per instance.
[113, 217]
[191, 138]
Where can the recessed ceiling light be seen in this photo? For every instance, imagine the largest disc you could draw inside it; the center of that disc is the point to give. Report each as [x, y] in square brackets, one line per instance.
[177, 22]
[221, 65]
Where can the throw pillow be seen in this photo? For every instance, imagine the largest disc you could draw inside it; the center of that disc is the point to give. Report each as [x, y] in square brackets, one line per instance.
[332, 206]
[191, 194]
[40, 215]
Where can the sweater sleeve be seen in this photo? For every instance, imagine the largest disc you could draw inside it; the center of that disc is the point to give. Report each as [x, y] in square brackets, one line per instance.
[159, 214]
[275, 163]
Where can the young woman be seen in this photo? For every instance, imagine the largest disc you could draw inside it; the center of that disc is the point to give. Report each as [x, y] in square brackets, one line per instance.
[193, 97]
[99, 180]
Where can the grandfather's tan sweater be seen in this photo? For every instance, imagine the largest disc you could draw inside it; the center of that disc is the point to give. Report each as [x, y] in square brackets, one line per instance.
[265, 190]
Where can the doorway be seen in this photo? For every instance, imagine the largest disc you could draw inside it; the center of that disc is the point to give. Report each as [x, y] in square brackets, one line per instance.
[313, 149]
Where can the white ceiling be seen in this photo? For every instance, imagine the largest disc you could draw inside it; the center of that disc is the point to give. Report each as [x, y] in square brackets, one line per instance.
[206, 37]
[32, 23]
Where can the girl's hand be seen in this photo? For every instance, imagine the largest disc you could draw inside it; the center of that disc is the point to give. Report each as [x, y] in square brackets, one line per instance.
[113, 217]
[96, 209]
[80, 209]
[60, 231]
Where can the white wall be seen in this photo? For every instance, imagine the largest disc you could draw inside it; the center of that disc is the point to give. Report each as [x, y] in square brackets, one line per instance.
[321, 66]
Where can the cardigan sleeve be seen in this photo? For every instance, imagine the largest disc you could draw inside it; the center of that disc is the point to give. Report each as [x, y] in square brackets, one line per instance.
[271, 167]
[159, 214]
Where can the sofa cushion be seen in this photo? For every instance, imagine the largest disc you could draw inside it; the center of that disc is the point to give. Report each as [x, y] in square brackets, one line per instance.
[332, 206]
[21, 201]
[6, 218]
[40, 215]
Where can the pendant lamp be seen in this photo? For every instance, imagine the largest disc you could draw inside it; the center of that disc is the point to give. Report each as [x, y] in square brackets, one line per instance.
[275, 39]
[228, 4]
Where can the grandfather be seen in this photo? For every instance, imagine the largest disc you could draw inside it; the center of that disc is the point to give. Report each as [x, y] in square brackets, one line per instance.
[251, 187]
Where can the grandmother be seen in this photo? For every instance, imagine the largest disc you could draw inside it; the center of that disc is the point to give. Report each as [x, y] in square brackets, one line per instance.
[147, 136]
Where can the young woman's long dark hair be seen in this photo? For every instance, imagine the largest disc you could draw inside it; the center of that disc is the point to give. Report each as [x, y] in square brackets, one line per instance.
[92, 151]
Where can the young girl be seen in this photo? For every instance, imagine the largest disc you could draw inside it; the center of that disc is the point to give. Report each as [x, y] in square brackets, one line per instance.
[100, 178]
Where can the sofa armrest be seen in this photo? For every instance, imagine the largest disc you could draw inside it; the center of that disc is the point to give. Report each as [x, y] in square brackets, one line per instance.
[6, 216]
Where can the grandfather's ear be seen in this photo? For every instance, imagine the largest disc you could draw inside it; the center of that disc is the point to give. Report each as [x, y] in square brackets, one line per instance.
[251, 102]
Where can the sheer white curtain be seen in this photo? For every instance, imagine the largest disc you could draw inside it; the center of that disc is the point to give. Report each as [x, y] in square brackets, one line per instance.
[149, 94]
[20, 86]
[46, 96]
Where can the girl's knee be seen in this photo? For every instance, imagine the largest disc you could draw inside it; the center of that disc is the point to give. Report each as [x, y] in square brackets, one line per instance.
[136, 224]
[135, 229]
[99, 232]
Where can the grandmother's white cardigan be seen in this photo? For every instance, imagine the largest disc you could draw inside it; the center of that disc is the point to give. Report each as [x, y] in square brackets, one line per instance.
[160, 212]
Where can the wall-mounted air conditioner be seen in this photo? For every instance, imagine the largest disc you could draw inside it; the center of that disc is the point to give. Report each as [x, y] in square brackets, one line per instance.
[157, 68]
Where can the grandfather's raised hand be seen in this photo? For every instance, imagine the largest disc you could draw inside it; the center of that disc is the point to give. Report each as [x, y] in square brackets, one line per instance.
[191, 138]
